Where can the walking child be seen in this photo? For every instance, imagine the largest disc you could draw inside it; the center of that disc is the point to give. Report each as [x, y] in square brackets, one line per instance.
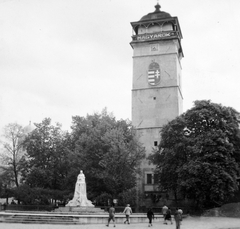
[128, 212]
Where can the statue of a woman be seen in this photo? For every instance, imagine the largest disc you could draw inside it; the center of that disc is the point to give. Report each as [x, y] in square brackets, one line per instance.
[80, 193]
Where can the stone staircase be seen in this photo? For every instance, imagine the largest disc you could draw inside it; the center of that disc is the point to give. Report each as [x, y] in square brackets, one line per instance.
[41, 219]
[68, 219]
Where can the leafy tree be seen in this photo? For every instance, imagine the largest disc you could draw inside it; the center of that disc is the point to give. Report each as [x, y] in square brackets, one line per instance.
[199, 154]
[46, 148]
[6, 179]
[106, 149]
[108, 152]
[13, 153]
[128, 196]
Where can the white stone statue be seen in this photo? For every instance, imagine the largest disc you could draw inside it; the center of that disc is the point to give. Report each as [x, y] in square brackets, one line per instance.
[80, 194]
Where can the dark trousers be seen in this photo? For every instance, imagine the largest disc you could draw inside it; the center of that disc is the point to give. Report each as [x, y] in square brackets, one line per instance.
[111, 218]
[178, 224]
[127, 218]
[150, 220]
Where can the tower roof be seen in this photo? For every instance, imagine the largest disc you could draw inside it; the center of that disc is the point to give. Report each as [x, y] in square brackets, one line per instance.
[157, 25]
[157, 14]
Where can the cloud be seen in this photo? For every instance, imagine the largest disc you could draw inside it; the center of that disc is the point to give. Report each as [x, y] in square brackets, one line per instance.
[61, 58]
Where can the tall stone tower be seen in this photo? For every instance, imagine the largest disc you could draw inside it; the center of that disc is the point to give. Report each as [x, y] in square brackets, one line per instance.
[156, 87]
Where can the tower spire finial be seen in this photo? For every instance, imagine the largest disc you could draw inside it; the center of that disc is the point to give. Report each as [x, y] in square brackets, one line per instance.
[157, 7]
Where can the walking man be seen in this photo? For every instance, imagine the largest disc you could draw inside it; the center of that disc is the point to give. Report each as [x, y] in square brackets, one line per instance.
[168, 216]
[128, 212]
[111, 215]
[150, 216]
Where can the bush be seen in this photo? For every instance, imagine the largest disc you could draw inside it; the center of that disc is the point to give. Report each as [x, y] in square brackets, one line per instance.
[104, 199]
[38, 196]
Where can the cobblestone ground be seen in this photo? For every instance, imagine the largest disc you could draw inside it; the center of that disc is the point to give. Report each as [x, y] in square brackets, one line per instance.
[188, 223]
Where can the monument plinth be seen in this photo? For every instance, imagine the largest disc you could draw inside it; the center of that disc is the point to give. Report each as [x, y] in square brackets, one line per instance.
[79, 210]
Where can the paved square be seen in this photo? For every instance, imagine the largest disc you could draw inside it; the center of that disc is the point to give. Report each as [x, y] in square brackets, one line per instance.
[188, 223]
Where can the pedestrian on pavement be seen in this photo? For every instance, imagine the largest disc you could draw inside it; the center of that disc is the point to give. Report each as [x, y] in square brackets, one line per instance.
[177, 217]
[150, 216]
[111, 216]
[168, 216]
[128, 212]
[180, 213]
[164, 212]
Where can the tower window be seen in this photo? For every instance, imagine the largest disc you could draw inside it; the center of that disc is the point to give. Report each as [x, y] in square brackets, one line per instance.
[149, 178]
[155, 178]
[155, 143]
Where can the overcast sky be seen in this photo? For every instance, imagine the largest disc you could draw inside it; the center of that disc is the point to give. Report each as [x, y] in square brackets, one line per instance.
[61, 58]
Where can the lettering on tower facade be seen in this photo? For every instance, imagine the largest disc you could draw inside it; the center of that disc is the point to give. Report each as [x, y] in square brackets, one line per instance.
[154, 36]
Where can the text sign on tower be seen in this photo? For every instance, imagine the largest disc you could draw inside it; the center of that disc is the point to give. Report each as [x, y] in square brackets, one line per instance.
[154, 74]
[154, 36]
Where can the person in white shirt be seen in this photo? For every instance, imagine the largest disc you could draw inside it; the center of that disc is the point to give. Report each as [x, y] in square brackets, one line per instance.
[180, 211]
[164, 212]
[128, 212]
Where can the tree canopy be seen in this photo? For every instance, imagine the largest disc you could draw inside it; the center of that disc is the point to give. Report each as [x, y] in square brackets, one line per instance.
[106, 149]
[108, 152]
[46, 165]
[199, 154]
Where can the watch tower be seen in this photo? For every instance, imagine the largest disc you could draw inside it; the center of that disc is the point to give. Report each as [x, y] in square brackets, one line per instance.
[156, 87]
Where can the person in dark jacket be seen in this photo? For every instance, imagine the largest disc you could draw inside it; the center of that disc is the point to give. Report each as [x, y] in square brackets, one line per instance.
[150, 216]
[111, 216]
[168, 216]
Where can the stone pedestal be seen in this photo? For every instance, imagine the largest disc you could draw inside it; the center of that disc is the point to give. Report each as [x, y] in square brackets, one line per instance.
[79, 210]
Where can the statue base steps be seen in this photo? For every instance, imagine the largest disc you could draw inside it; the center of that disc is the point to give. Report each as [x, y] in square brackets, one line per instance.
[80, 210]
[72, 219]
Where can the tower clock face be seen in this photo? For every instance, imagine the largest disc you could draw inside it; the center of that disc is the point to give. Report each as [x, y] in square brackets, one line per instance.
[154, 74]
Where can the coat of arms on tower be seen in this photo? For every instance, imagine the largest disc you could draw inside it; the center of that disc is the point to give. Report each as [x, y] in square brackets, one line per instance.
[154, 73]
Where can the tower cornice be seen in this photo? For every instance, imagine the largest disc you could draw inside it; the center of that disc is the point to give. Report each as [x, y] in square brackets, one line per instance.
[161, 34]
